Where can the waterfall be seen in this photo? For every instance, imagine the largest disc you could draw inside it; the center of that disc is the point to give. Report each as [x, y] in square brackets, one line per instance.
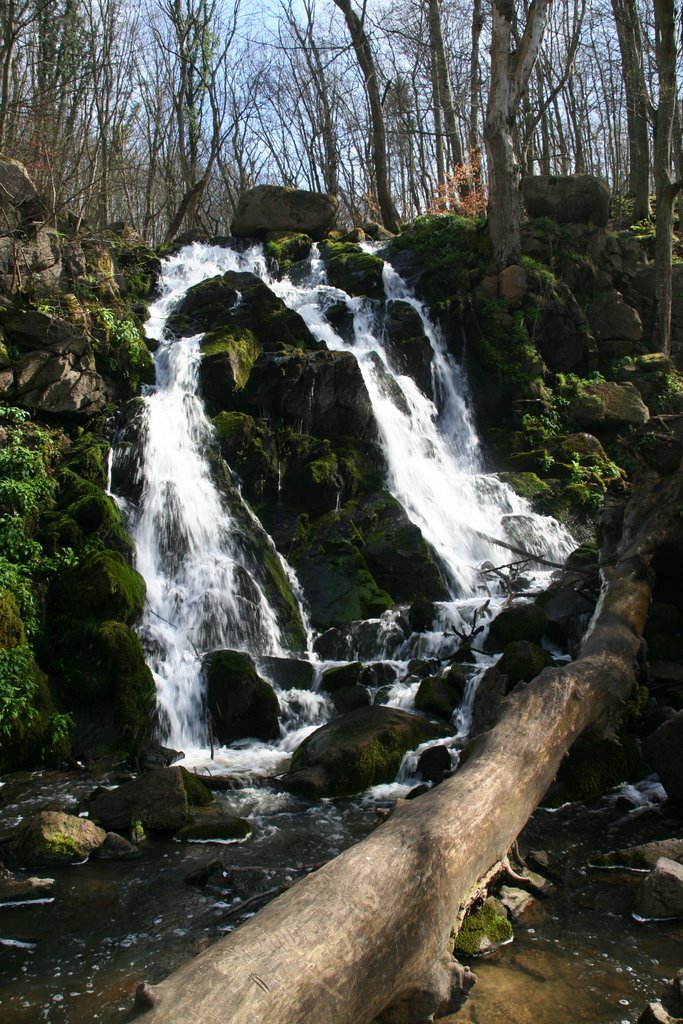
[431, 447]
[204, 591]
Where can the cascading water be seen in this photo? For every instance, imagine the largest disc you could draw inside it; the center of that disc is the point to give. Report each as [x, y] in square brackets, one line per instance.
[203, 590]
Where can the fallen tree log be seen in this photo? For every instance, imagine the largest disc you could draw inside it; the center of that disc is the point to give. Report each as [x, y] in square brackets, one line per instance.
[366, 936]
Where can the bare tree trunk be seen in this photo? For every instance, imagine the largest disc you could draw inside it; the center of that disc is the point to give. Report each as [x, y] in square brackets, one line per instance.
[443, 83]
[630, 36]
[365, 937]
[366, 60]
[510, 72]
[666, 189]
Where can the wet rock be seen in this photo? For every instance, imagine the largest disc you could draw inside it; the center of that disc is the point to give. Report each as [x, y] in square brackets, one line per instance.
[569, 603]
[519, 622]
[408, 345]
[434, 763]
[642, 857]
[240, 703]
[654, 1013]
[289, 673]
[214, 875]
[339, 676]
[515, 901]
[115, 847]
[217, 828]
[522, 661]
[421, 615]
[157, 801]
[358, 750]
[14, 888]
[660, 895]
[441, 695]
[664, 749]
[363, 639]
[352, 270]
[567, 199]
[51, 837]
[267, 208]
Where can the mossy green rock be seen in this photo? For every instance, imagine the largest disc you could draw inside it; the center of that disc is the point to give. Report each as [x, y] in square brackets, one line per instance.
[442, 695]
[361, 749]
[594, 767]
[103, 586]
[51, 837]
[28, 715]
[354, 271]
[341, 676]
[11, 626]
[241, 704]
[519, 622]
[522, 661]
[228, 355]
[483, 930]
[226, 830]
[288, 247]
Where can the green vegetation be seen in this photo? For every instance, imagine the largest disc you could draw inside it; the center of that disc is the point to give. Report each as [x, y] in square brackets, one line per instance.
[482, 929]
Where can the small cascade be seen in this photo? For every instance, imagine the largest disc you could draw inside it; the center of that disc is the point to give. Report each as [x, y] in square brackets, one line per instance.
[204, 588]
[431, 446]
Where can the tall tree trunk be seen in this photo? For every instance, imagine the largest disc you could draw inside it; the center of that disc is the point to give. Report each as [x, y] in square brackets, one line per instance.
[365, 936]
[366, 61]
[510, 72]
[666, 189]
[630, 36]
[440, 64]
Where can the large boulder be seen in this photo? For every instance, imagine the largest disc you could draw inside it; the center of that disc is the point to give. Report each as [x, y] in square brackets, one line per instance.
[19, 200]
[408, 345]
[352, 270]
[267, 208]
[570, 199]
[641, 858]
[608, 405]
[51, 837]
[159, 801]
[616, 326]
[361, 749]
[240, 703]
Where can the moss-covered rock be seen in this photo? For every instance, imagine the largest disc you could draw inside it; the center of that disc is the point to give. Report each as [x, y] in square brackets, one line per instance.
[288, 247]
[519, 622]
[12, 632]
[228, 355]
[51, 837]
[483, 929]
[240, 703]
[32, 730]
[594, 767]
[102, 586]
[156, 801]
[442, 695]
[358, 750]
[522, 661]
[354, 271]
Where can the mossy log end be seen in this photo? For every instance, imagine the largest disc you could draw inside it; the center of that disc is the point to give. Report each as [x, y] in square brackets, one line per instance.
[365, 937]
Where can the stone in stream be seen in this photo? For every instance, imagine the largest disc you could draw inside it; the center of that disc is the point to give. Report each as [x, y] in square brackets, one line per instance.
[660, 895]
[158, 801]
[641, 858]
[13, 888]
[51, 837]
[115, 847]
[241, 704]
[361, 749]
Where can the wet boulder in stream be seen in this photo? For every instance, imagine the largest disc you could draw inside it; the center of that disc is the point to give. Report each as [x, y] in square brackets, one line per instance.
[159, 801]
[362, 748]
[407, 343]
[51, 837]
[241, 704]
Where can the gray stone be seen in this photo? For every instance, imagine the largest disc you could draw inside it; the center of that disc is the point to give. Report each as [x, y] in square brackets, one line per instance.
[642, 858]
[115, 847]
[570, 199]
[617, 327]
[660, 895]
[513, 285]
[156, 801]
[268, 208]
[515, 901]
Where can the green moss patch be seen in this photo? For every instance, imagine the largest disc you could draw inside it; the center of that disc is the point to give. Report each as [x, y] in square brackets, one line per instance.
[483, 929]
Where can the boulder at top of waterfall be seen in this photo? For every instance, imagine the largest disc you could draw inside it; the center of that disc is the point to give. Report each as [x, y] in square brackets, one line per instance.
[51, 837]
[567, 199]
[158, 801]
[660, 894]
[361, 749]
[267, 208]
[240, 703]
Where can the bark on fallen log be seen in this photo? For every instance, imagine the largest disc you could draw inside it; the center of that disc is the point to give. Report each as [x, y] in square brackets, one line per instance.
[366, 936]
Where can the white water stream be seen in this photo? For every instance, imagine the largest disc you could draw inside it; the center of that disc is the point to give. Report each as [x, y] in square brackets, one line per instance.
[203, 591]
